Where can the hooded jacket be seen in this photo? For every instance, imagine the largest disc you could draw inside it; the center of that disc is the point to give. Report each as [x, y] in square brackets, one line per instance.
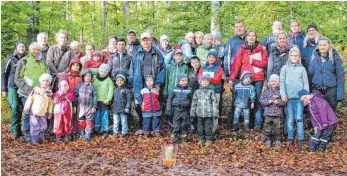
[74, 77]
[179, 101]
[204, 103]
[104, 88]
[150, 100]
[244, 93]
[241, 63]
[276, 61]
[328, 74]
[133, 47]
[272, 109]
[322, 115]
[119, 64]
[193, 79]
[171, 76]
[231, 48]
[63, 102]
[7, 77]
[167, 54]
[202, 53]
[91, 63]
[85, 96]
[306, 53]
[293, 78]
[216, 72]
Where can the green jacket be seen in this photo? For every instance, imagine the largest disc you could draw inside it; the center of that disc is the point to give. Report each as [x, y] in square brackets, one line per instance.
[202, 53]
[27, 74]
[104, 89]
[204, 103]
[171, 76]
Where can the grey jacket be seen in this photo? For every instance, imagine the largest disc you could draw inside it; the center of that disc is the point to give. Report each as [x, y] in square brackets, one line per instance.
[204, 104]
[58, 60]
[293, 78]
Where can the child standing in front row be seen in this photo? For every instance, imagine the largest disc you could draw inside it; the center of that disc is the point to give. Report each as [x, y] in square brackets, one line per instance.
[205, 108]
[150, 108]
[121, 106]
[323, 119]
[86, 102]
[293, 78]
[39, 106]
[273, 111]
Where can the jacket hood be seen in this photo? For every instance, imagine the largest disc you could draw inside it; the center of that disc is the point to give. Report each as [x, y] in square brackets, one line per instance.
[244, 73]
[86, 71]
[76, 60]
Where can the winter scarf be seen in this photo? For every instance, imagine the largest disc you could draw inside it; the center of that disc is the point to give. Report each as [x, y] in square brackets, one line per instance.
[251, 47]
[294, 34]
[284, 48]
[311, 42]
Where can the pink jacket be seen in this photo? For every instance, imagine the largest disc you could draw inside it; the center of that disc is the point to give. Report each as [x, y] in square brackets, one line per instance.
[63, 103]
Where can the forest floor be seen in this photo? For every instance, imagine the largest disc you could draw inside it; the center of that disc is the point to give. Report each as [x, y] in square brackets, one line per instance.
[231, 154]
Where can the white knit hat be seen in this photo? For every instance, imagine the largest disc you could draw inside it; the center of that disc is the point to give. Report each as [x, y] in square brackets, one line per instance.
[45, 76]
[105, 67]
[164, 37]
[274, 77]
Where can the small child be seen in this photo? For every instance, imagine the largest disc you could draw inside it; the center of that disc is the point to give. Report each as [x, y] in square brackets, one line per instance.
[104, 89]
[273, 111]
[86, 102]
[62, 100]
[244, 97]
[323, 119]
[293, 78]
[121, 106]
[194, 85]
[39, 106]
[150, 108]
[205, 107]
[94, 62]
[179, 101]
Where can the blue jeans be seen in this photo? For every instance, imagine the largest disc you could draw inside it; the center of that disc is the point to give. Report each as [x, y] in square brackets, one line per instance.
[257, 107]
[101, 119]
[295, 110]
[120, 118]
[155, 124]
[237, 114]
[26, 122]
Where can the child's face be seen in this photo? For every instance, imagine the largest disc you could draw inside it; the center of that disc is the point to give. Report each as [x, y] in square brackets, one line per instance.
[87, 78]
[149, 82]
[205, 83]
[246, 80]
[306, 99]
[119, 82]
[45, 84]
[195, 63]
[75, 67]
[64, 86]
[274, 84]
[211, 59]
[178, 57]
[184, 82]
[294, 57]
[102, 73]
[96, 58]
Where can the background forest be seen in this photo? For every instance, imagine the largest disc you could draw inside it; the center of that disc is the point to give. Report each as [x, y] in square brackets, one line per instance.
[93, 22]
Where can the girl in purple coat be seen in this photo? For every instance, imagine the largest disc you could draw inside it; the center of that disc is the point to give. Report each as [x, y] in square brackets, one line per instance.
[323, 119]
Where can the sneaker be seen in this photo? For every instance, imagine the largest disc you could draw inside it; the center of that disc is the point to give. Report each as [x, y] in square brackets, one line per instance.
[176, 139]
[234, 128]
[67, 139]
[138, 132]
[184, 138]
[278, 143]
[58, 139]
[208, 143]
[28, 139]
[125, 136]
[157, 134]
[87, 137]
[115, 135]
[201, 142]
[105, 135]
[15, 135]
[268, 143]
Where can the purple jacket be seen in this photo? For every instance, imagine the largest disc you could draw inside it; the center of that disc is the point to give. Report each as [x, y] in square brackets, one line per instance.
[322, 115]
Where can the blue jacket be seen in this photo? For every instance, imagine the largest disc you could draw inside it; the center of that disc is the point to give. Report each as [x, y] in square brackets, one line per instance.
[122, 99]
[329, 74]
[187, 50]
[244, 94]
[230, 50]
[306, 54]
[168, 55]
[216, 69]
[136, 79]
[220, 51]
[299, 40]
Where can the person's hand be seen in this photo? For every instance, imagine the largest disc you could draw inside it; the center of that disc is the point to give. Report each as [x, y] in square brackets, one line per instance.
[270, 101]
[231, 84]
[106, 102]
[157, 87]
[74, 110]
[126, 111]
[4, 94]
[275, 102]
[284, 99]
[252, 105]
[93, 110]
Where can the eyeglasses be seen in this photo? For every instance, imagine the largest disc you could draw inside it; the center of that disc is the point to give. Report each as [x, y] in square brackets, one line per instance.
[295, 56]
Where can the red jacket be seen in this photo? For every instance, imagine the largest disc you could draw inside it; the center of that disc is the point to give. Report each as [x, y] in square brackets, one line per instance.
[260, 59]
[74, 77]
[63, 103]
[150, 100]
[91, 63]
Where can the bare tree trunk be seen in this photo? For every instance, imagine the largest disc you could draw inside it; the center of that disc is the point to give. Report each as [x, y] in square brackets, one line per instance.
[126, 14]
[93, 22]
[214, 9]
[104, 27]
[68, 16]
[33, 22]
[81, 19]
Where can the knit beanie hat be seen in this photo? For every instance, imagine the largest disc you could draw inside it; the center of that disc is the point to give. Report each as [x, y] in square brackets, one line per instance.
[206, 77]
[64, 78]
[312, 26]
[105, 67]
[20, 42]
[274, 77]
[217, 36]
[97, 53]
[164, 37]
[120, 75]
[212, 52]
[45, 76]
[180, 76]
[245, 74]
[302, 93]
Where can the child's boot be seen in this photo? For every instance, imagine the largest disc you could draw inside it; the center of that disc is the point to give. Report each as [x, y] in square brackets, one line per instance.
[312, 144]
[268, 143]
[247, 128]
[82, 133]
[208, 143]
[321, 146]
[105, 135]
[58, 139]
[184, 138]
[201, 142]
[67, 139]
[176, 139]
[278, 143]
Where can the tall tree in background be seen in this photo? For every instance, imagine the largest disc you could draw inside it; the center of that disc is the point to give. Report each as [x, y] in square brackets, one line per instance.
[33, 21]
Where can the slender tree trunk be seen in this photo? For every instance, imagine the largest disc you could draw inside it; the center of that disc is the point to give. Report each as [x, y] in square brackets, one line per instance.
[214, 9]
[126, 15]
[33, 21]
[169, 3]
[93, 22]
[104, 27]
[81, 19]
[68, 16]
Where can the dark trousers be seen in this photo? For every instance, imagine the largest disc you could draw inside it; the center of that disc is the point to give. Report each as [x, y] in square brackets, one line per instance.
[16, 110]
[138, 110]
[272, 128]
[180, 125]
[321, 138]
[205, 128]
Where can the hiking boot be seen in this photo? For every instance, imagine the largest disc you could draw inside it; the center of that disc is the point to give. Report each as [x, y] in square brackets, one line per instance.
[67, 139]
[104, 135]
[247, 128]
[176, 139]
[124, 136]
[87, 137]
[115, 135]
[268, 143]
[28, 139]
[278, 143]
[257, 128]
[184, 138]
[234, 128]
[58, 139]
[14, 135]
[208, 143]
[201, 142]
[157, 134]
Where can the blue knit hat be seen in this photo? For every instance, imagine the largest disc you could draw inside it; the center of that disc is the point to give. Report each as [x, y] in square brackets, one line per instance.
[212, 52]
[302, 93]
[180, 76]
[206, 77]
[120, 75]
[218, 36]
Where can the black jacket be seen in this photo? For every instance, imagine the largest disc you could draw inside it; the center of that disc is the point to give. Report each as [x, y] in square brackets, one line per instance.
[179, 101]
[7, 77]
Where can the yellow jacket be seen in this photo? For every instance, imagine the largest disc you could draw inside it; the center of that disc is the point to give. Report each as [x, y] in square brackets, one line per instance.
[40, 102]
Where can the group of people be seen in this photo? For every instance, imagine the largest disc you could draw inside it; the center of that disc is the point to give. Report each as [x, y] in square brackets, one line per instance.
[73, 94]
